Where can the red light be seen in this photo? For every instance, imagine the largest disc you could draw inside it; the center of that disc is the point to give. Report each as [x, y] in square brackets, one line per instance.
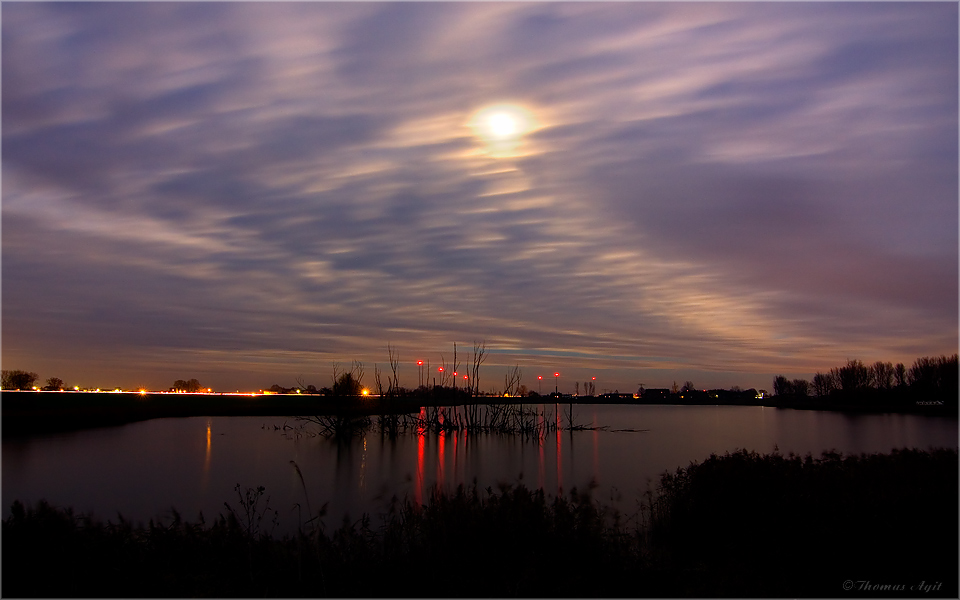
[556, 374]
[539, 376]
[419, 363]
[594, 378]
[454, 373]
[440, 368]
[464, 376]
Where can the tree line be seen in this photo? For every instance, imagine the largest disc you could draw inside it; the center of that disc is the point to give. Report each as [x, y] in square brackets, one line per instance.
[930, 378]
[26, 380]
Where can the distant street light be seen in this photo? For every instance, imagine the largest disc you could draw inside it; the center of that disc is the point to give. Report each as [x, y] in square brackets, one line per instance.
[556, 381]
[540, 384]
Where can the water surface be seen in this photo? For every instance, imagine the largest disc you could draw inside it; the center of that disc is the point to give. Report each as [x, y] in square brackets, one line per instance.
[143, 469]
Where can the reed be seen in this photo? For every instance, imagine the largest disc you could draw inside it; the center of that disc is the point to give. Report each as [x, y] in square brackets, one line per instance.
[741, 524]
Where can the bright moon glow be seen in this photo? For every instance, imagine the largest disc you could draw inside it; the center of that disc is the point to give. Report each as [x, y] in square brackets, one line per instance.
[501, 126]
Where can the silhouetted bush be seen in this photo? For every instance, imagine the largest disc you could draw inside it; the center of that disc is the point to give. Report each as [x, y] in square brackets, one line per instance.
[742, 524]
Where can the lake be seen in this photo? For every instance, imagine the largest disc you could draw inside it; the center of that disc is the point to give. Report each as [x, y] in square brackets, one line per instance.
[143, 469]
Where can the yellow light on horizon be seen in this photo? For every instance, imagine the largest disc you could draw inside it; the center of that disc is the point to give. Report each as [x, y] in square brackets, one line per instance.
[366, 392]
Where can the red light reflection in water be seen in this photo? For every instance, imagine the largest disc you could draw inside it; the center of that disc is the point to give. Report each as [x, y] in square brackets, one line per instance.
[559, 465]
[596, 449]
[541, 467]
[455, 438]
[421, 448]
[441, 443]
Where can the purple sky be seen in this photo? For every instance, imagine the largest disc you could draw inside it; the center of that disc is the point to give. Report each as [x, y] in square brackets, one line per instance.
[247, 192]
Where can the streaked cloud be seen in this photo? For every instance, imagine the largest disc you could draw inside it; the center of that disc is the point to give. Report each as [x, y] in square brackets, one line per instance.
[255, 190]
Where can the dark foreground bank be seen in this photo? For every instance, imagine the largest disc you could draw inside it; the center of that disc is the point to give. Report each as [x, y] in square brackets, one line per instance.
[738, 525]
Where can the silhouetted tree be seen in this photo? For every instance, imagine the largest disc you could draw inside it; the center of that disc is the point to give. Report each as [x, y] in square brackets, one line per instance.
[444, 372]
[376, 379]
[824, 384]
[900, 375]
[687, 387]
[934, 375]
[853, 376]
[511, 380]
[782, 386]
[337, 371]
[54, 383]
[347, 385]
[456, 366]
[17, 380]
[190, 386]
[393, 386]
[801, 387]
[881, 375]
[479, 355]
[357, 371]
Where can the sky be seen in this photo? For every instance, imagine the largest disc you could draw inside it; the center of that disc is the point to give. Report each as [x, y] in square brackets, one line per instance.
[248, 193]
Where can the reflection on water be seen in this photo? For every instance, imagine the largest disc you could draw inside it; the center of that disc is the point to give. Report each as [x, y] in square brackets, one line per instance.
[143, 469]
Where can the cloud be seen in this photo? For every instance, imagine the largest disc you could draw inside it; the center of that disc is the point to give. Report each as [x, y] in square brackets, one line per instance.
[710, 187]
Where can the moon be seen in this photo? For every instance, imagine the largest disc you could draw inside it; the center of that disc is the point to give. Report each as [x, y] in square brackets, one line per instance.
[502, 126]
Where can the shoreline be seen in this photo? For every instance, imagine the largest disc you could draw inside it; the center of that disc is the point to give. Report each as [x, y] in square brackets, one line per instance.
[35, 413]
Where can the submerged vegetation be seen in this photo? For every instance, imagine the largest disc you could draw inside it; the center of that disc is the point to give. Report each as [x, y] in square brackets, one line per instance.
[510, 419]
[742, 524]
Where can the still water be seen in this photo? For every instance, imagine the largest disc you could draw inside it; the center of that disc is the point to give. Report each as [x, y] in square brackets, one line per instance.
[142, 470]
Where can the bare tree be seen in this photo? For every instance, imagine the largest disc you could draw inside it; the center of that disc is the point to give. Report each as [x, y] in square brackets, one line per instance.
[376, 379]
[511, 380]
[300, 384]
[18, 380]
[337, 372]
[801, 387]
[853, 376]
[823, 384]
[576, 388]
[479, 355]
[881, 374]
[357, 371]
[456, 366]
[444, 373]
[900, 375]
[781, 386]
[394, 385]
